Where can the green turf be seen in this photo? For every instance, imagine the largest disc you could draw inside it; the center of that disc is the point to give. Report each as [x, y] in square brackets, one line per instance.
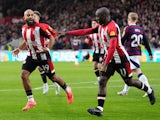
[81, 79]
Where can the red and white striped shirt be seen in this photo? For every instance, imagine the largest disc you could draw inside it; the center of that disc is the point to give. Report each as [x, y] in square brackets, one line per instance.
[110, 37]
[97, 44]
[35, 37]
[106, 33]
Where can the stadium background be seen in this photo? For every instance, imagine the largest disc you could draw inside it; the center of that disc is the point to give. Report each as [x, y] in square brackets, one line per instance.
[68, 15]
[64, 15]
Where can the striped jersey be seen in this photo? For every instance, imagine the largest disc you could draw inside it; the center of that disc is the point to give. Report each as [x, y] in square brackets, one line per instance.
[133, 37]
[113, 48]
[35, 37]
[97, 43]
[108, 32]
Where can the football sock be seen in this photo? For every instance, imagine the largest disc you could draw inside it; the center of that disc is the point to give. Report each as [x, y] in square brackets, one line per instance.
[145, 85]
[146, 89]
[101, 100]
[100, 108]
[126, 88]
[149, 91]
[143, 79]
[98, 78]
[96, 71]
[43, 76]
[64, 86]
[76, 60]
[67, 89]
[28, 92]
[29, 95]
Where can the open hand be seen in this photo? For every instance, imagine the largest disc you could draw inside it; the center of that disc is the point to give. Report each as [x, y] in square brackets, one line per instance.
[15, 52]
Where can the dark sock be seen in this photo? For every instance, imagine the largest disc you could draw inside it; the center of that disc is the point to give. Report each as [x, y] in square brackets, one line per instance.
[144, 87]
[64, 86]
[96, 71]
[43, 76]
[101, 100]
[28, 92]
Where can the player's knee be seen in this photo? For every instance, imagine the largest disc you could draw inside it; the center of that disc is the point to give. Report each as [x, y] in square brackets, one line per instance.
[24, 75]
[53, 78]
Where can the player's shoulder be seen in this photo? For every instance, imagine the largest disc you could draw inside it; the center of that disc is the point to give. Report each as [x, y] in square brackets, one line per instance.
[112, 24]
[134, 27]
[43, 24]
[129, 28]
[47, 26]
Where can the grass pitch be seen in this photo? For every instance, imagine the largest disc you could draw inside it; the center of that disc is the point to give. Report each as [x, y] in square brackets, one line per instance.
[81, 79]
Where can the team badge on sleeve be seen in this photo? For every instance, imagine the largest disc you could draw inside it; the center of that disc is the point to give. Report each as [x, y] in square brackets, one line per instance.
[112, 33]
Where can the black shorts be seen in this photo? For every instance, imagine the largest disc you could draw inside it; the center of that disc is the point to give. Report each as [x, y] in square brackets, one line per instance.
[122, 68]
[31, 64]
[97, 57]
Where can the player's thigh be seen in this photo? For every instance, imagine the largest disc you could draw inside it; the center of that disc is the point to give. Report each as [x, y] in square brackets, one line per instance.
[29, 64]
[95, 57]
[124, 70]
[110, 70]
[48, 67]
[135, 62]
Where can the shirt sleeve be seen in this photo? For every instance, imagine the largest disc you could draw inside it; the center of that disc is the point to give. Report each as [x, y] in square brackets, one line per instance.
[124, 35]
[113, 34]
[81, 32]
[146, 44]
[45, 31]
[53, 32]
[111, 49]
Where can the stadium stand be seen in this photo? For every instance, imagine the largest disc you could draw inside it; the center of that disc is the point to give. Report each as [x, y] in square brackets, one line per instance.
[75, 14]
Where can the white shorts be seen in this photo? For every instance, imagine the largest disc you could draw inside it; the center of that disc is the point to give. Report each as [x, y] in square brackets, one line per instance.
[135, 62]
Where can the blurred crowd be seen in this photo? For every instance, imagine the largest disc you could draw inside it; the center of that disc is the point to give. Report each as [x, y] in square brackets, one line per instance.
[64, 15]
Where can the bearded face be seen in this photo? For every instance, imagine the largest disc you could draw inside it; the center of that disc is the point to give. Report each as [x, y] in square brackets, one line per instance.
[29, 17]
[30, 22]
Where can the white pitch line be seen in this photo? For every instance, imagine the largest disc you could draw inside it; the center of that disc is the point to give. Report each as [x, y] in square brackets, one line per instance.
[79, 87]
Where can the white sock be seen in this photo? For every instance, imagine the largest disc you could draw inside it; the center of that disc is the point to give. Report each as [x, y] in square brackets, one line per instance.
[68, 89]
[56, 84]
[149, 91]
[98, 78]
[46, 84]
[76, 61]
[30, 98]
[126, 88]
[144, 79]
[100, 108]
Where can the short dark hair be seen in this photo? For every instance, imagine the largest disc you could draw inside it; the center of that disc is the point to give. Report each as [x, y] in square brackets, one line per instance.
[94, 19]
[37, 13]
